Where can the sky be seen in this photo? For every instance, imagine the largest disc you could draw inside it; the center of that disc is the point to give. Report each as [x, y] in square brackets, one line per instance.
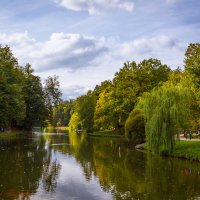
[85, 42]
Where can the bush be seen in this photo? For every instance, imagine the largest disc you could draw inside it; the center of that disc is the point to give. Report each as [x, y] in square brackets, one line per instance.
[134, 126]
[195, 135]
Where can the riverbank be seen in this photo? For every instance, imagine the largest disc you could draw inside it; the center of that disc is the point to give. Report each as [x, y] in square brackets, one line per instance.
[187, 149]
[106, 133]
[184, 149]
[58, 128]
[11, 134]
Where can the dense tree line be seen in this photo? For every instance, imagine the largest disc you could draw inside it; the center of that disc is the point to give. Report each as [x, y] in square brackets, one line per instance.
[24, 101]
[146, 101]
[110, 103]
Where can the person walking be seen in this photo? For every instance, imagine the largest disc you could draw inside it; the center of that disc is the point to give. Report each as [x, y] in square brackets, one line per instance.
[190, 134]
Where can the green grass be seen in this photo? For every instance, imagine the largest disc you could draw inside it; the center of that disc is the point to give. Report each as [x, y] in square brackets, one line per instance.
[63, 128]
[11, 135]
[105, 133]
[187, 149]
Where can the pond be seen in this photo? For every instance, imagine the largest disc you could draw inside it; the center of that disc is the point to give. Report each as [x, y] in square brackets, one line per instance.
[72, 166]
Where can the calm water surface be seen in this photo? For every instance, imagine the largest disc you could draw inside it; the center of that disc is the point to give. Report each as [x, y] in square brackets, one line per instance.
[72, 167]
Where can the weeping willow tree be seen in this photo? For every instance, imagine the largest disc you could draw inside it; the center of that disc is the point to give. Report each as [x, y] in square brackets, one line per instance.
[166, 110]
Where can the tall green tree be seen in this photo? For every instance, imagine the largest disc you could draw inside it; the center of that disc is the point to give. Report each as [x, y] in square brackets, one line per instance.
[52, 95]
[192, 66]
[62, 113]
[103, 116]
[34, 100]
[132, 81]
[12, 105]
[86, 111]
[166, 110]
[186, 79]
[192, 61]
[83, 112]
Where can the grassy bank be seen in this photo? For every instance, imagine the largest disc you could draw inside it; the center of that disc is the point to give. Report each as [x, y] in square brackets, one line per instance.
[11, 134]
[53, 129]
[106, 133]
[187, 149]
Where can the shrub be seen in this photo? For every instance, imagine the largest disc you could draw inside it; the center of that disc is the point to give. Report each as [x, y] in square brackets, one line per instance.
[134, 126]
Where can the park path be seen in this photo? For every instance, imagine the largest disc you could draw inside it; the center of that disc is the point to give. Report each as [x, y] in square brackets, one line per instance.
[187, 139]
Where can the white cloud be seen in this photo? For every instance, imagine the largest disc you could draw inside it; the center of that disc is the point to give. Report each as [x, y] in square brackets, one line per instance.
[96, 6]
[16, 38]
[81, 61]
[71, 51]
[168, 50]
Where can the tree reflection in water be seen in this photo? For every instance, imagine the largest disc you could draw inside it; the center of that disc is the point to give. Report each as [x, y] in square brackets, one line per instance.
[50, 175]
[23, 163]
[135, 175]
[29, 166]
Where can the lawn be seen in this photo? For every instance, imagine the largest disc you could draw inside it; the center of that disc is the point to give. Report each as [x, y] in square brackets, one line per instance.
[187, 149]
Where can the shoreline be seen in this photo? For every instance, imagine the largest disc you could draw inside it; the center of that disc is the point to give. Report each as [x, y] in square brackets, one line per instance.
[183, 149]
[11, 134]
[105, 136]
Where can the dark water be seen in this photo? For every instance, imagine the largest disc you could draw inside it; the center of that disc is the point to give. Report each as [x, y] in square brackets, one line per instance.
[72, 166]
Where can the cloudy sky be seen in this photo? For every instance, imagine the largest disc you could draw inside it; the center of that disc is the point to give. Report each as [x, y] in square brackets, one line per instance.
[85, 42]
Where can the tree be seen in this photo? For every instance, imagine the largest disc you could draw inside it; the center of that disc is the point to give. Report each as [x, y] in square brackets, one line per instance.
[103, 116]
[192, 67]
[52, 95]
[83, 112]
[12, 105]
[34, 99]
[166, 110]
[75, 122]
[132, 81]
[62, 113]
[187, 80]
[86, 110]
[192, 61]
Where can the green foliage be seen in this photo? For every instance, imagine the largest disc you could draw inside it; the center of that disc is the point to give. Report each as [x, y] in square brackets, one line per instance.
[12, 105]
[74, 122]
[166, 109]
[185, 79]
[132, 81]
[52, 95]
[192, 61]
[109, 105]
[192, 66]
[62, 113]
[195, 110]
[23, 103]
[86, 111]
[134, 127]
[103, 116]
[83, 112]
[34, 100]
